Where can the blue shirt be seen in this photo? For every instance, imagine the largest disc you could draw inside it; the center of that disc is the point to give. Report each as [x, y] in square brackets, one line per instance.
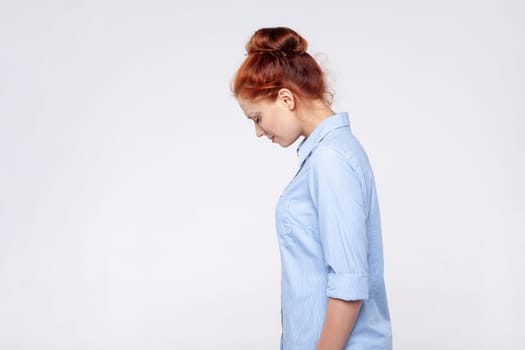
[329, 233]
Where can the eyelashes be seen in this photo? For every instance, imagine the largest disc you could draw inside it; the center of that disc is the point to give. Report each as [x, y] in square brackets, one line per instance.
[256, 117]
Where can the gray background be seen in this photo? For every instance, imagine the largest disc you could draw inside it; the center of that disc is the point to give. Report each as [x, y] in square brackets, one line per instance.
[136, 203]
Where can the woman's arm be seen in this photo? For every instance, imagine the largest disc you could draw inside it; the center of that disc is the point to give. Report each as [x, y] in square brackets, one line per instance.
[339, 321]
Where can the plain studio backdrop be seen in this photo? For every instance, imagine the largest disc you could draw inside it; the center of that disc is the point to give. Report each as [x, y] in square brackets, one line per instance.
[137, 204]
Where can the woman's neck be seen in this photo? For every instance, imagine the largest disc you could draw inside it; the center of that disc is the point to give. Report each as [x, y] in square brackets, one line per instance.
[312, 114]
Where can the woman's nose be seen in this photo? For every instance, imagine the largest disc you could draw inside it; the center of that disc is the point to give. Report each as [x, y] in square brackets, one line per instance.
[259, 131]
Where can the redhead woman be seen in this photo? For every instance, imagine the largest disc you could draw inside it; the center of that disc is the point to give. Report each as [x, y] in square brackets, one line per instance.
[327, 219]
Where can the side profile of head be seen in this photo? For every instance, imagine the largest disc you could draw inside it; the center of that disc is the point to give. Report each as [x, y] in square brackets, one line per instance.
[279, 83]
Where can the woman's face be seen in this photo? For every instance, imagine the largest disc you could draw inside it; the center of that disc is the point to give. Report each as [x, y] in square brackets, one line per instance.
[275, 119]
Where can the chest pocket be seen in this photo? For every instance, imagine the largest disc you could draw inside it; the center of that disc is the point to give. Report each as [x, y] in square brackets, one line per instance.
[302, 214]
[282, 216]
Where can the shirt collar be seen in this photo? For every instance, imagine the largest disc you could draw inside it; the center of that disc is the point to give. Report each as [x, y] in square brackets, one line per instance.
[321, 130]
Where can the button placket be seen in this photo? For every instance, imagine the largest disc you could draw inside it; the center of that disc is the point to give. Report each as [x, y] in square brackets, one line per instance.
[284, 225]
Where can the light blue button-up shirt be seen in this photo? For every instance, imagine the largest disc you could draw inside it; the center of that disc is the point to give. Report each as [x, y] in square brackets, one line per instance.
[329, 233]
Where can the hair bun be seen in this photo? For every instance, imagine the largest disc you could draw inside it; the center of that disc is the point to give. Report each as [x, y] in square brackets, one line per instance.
[277, 39]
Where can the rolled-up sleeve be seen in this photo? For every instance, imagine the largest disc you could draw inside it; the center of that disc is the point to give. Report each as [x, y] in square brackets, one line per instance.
[337, 188]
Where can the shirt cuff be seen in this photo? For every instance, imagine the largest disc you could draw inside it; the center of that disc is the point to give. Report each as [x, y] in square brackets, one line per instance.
[347, 286]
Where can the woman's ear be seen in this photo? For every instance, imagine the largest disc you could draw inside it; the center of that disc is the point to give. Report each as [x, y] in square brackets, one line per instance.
[286, 98]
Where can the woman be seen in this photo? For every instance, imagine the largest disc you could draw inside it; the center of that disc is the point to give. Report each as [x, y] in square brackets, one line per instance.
[327, 218]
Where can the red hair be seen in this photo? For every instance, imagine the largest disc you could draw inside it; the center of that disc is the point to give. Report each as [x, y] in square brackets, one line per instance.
[277, 58]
